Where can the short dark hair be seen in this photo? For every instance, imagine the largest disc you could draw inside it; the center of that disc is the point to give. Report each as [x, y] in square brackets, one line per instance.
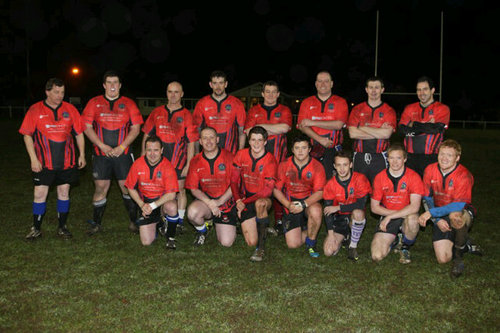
[218, 73]
[153, 138]
[343, 154]
[397, 146]
[258, 130]
[270, 83]
[426, 79]
[111, 73]
[53, 82]
[208, 128]
[375, 78]
[300, 138]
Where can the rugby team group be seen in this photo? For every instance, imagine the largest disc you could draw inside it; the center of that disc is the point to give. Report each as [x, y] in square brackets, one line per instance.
[235, 188]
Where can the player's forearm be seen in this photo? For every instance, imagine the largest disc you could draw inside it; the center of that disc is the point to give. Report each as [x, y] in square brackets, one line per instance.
[310, 133]
[225, 197]
[358, 204]
[136, 197]
[313, 198]
[241, 138]
[166, 197]
[80, 143]
[143, 144]
[328, 124]
[132, 134]
[278, 195]
[265, 192]
[376, 208]
[92, 136]
[358, 133]
[447, 209]
[30, 147]
[200, 195]
[275, 129]
[378, 133]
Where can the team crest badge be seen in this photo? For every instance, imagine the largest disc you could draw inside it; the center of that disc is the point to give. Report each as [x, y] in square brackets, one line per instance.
[228, 108]
[380, 114]
[277, 114]
[351, 191]
[309, 175]
[450, 184]
[180, 120]
[121, 106]
[431, 112]
[158, 174]
[403, 186]
[65, 114]
[261, 167]
[330, 106]
[222, 167]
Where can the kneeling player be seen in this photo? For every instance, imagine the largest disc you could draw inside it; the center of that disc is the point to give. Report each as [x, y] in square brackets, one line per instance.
[152, 184]
[252, 183]
[209, 179]
[397, 192]
[299, 188]
[448, 193]
[345, 196]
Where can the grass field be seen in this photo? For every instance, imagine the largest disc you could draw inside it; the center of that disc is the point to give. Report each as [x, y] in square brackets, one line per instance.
[111, 283]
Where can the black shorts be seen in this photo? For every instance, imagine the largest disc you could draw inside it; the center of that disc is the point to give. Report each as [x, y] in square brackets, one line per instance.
[327, 158]
[56, 177]
[339, 223]
[247, 213]
[418, 162]
[227, 217]
[154, 217]
[292, 221]
[437, 234]
[369, 164]
[393, 227]
[178, 173]
[105, 167]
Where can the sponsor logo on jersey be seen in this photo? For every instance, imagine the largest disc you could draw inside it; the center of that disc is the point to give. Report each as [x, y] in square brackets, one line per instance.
[43, 116]
[213, 118]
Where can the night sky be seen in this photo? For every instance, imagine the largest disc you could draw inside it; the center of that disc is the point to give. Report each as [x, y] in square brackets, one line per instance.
[153, 42]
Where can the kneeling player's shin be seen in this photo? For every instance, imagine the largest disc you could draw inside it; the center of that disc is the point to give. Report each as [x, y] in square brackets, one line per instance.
[171, 226]
[262, 224]
[131, 207]
[356, 231]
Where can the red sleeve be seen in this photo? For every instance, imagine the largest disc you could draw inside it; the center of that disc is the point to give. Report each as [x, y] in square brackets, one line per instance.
[281, 177]
[171, 184]
[131, 180]
[149, 125]
[463, 191]
[192, 179]
[391, 119]
[443, 115]
[328, 190]
[320, 179]
[427, 181]
[135, 114]
[28, 126]
[418, 185]
[377, 188]
[250, 120]
[302, 111]
[198, 114]
[236, 177]
[88, 112]
[405, 117]
[343, 111]
[265, 192]
[240, 113]
[286, 116]
[353, 119]
[78, 124]
[363, 185]
[191, 130]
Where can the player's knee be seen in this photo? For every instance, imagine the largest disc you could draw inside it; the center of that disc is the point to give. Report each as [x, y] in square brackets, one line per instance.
[315, 212]
[377, 256]
[293, 243]
[261, 204]
[226, 242]
[170, 207]
[443, 257]
[358, 214]
[411, 223]
[457, 220]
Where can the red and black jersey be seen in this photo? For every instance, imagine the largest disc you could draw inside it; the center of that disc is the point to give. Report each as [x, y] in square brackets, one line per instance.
[299, 183]
[111, 119]
[152, 181]
[346, 192]
[455, 186]
[278, 114]
[394, 193]
[175, 129]
[254, 172]
[435, 113]
[364, 115]
[52, 131]
[225, 117]
[334, 108]
[211, 176]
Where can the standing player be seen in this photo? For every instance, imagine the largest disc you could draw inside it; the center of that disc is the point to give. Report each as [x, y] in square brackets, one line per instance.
[423, 124]
[152, 184]
[448, 193]
[113, 122]
[397, 192]
[371, 124]
[322, 117]
[252, 183]
[209, 179]
[276, 119]
[223, 112]
[48, 129]
[299, 188]
[173, 124]
[345, 198]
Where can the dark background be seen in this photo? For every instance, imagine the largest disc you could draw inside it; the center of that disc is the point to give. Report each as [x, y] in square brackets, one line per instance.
[153, 42]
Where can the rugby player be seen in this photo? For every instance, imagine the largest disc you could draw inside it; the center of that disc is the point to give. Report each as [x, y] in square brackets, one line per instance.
[152, 184]
[112, 124]
[48, 129]
[397, 193]
[345, 198]
[252, 183]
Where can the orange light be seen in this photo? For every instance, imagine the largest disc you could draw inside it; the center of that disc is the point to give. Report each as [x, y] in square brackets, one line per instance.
[75, 70]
